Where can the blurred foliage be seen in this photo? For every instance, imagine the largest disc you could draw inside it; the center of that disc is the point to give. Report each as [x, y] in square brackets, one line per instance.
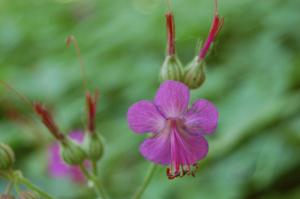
[253, 76]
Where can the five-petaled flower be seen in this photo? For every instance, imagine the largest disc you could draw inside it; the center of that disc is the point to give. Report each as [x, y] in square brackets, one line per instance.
[177, 129]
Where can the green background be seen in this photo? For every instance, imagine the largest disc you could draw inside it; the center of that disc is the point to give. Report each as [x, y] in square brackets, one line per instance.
[253, 76]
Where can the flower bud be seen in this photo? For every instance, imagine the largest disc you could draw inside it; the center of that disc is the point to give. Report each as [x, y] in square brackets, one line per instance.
[29, 195]
[7, 157]
[194, 74]
[6, 196]
[94, 146]
[171, 69]
[72, 153]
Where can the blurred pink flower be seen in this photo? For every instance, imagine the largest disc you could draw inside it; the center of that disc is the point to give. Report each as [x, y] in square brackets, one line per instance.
[178, 130]
[56, 165]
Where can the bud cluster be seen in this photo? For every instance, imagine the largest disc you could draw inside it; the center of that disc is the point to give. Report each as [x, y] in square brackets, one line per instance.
[92, 141]
[71, 152]
[7, 159]
[193, 75]
[93, 146]
[171, 69]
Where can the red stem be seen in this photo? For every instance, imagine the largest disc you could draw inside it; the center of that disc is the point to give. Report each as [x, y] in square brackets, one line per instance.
[47, 120]
[91, 102]
[170, 33]
[214, 30]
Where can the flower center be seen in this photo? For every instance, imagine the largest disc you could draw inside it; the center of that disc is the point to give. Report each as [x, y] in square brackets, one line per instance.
[180, 152]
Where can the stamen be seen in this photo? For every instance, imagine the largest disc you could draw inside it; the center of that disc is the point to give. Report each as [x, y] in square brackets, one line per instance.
[169, 174]
[195, 169]
[184, 170]
[180, 164]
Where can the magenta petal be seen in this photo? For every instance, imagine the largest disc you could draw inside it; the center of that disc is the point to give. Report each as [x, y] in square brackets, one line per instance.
[157, 149]
[143, 117]
[77, 136]
[56, 166]
[202, 117]
[187, 149]
[76, 174]
[172, 98]
[174, 147]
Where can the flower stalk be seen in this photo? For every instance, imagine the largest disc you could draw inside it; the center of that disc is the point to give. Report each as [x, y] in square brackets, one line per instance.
[96, 182]
[9, 187]
[16, 177]
[7, 157]
[147, 180]
[94, 168]
[34, 188]
[92, 142]
[72, 39]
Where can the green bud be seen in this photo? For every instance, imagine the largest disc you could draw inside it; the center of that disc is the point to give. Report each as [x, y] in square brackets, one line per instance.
[194, 74]
[171, 69]
[7, 157]
[6, 196]
[29, 195]
[72, 153]
[94, 146]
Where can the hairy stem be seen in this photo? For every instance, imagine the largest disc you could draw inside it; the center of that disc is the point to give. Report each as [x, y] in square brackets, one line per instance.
[97, 184]
[95, 169]
[9, 187]
[146, 182]
[34, 188]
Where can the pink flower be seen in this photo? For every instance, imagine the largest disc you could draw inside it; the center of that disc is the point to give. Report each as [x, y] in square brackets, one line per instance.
[56, 165]
[177, 130]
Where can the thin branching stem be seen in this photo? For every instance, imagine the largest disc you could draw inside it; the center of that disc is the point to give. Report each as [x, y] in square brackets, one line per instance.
[97, 184]
[146, 182]
[33, 187]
